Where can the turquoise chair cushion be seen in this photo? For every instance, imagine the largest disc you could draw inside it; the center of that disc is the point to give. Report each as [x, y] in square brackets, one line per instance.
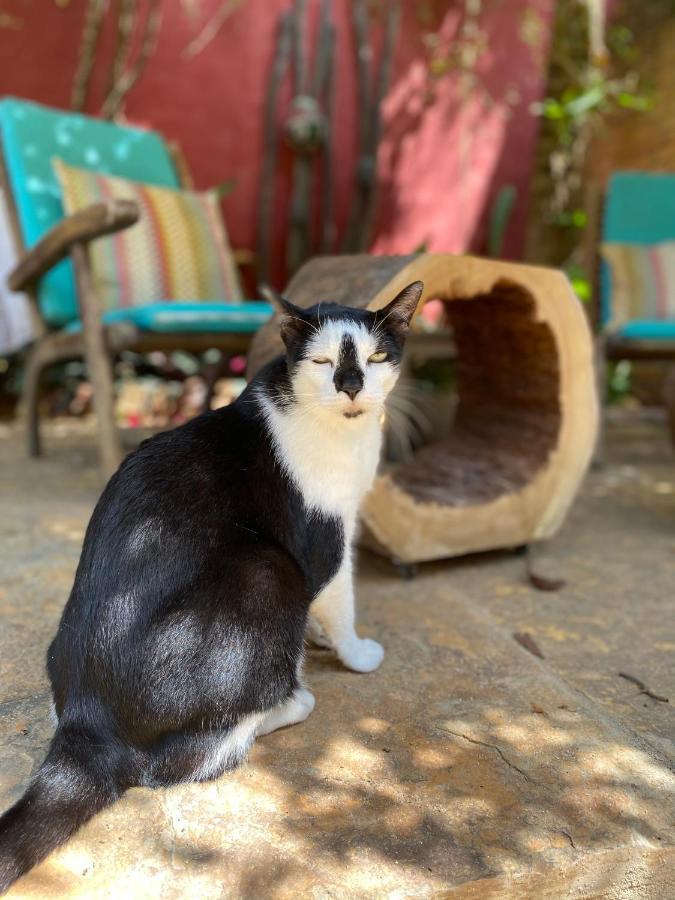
[32, 135]
[648, 330]
[185, 318]
[639, 209]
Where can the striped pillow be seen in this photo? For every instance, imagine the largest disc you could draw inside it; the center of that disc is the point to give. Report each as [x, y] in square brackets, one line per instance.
[643, 282]
[178, 250]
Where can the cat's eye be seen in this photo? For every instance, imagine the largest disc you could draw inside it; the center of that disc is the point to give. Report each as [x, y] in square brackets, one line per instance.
[322, 361]
[380, 356]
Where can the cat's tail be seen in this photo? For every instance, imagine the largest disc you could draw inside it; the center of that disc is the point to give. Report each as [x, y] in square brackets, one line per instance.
[75, 782]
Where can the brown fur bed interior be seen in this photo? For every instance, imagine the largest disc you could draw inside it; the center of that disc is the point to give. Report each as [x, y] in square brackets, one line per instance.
[508, 414]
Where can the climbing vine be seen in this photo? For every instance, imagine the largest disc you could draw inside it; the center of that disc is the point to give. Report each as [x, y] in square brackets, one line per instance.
[591, 78]
[456, 41]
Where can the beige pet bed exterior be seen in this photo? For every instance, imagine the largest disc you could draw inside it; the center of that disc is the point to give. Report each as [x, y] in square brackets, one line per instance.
[527, 413]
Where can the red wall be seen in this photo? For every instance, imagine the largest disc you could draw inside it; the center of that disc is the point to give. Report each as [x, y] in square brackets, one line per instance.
[442, 159]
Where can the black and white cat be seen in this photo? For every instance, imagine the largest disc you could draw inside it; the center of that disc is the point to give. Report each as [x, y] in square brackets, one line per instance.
[183, 636]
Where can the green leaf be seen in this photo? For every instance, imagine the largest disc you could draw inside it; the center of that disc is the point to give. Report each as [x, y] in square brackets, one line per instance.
[634, 101]
[579, 218]
[551, 109]
[587, 101]
[582, 289]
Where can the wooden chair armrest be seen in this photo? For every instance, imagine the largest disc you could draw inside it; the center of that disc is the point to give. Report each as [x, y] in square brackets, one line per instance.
[83, 226]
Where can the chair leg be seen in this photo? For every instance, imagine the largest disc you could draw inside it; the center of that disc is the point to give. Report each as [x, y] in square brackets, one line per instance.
[600, 347]
[99, 364]
[669, 400]
[99, 367]
[31, 398]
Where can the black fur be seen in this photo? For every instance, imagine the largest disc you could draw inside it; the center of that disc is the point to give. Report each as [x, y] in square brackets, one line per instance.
[390, 323]
[348, 373]
[187, 613]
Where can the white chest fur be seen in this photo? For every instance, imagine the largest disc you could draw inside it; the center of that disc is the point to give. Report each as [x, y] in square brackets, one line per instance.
[331, 460]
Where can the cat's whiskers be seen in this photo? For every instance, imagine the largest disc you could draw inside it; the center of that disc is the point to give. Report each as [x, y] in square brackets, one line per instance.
[414, 418]
[304, 322]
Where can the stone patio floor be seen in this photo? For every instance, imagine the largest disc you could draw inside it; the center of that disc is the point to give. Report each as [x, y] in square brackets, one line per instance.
[466, 767]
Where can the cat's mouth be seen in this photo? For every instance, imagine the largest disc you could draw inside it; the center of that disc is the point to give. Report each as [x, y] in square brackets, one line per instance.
[352, 413]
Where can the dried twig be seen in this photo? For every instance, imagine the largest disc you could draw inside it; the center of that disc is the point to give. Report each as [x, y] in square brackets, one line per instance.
[129, 78]
[360, 25]
[544, 584]
[327, 236]
[528, 643]
[126, 16]
[364, 200]
[191, 8]
[392, 28]
[633, 680]
[270, 145]
[596, 32]
[299, 49]
[658, 697]
[212, 27]
[540, 582]
[93, 20]
[299, 212]
[643, 689]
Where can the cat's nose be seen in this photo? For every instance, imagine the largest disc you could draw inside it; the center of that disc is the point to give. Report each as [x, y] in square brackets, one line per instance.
[349, 383]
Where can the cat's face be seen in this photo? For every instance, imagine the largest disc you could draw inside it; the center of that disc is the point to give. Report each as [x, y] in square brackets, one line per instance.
[345, 361]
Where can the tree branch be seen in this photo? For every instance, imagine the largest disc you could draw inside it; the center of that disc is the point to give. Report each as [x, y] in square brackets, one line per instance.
[212, 27]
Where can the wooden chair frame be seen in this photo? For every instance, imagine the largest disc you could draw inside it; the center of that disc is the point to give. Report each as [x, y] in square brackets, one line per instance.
[96, 343]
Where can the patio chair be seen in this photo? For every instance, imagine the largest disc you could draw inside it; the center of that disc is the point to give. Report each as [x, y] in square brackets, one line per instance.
[636, 227]
[632, 223]
[54, 264]
[638, 209]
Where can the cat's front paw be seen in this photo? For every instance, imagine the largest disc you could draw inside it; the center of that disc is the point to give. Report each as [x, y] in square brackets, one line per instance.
[361, 655]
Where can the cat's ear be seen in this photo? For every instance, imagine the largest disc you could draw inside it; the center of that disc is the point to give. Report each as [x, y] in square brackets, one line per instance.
[398, 314]
[278, 300]
[293, 325]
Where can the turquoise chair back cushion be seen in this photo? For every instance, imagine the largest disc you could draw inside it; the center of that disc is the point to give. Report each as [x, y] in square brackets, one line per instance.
[639, 209]
[32, 135]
